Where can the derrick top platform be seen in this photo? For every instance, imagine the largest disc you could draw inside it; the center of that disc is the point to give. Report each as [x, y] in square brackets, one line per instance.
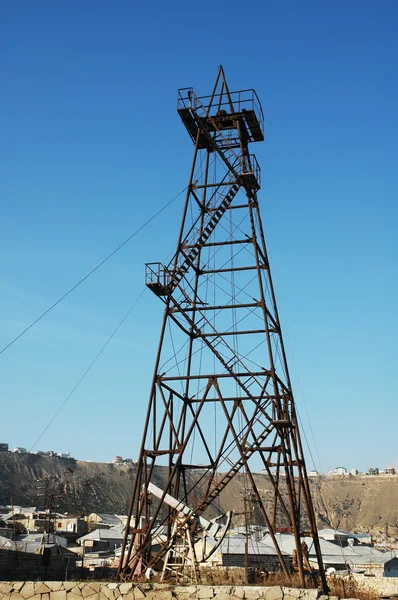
[230, 118]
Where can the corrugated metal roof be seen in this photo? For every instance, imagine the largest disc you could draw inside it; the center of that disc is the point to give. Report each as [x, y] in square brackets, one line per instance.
[333, 554]
[371, 555]
[102, 535]
[339, 532]
[235, 544]
[326, 531]
[286, 542]
[109, 519]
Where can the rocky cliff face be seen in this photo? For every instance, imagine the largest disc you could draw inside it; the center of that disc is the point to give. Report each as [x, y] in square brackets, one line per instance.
[363, 504]
[350, 503]
[80, 486]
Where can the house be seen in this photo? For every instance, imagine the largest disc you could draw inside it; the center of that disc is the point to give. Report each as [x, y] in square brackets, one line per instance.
[338, 471]
[64, 455]
[314, 473]
[232, 553]
[18, 517]
[373, 471]
[102, 539]
[391, 567]
[104, 521]
[31, 519]
[362, 538]
[354, 558]
[375, 563]
[36, 542]
[336, 536]
[71, 524]
[332, 554]
[389, 471]
[35, 520]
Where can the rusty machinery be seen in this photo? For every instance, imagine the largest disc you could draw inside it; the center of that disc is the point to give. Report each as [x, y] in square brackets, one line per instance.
[221, 400]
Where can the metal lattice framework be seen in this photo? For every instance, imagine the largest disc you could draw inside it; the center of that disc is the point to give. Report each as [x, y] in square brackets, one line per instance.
[221, 399]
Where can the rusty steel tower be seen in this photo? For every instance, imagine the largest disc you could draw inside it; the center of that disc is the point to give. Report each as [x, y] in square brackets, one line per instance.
[221, 400]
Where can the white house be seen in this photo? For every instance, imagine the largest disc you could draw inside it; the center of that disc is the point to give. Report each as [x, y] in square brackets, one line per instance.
[338, 471]
[314, 473]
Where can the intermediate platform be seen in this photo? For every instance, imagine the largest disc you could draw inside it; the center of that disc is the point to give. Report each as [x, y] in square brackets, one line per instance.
[157, 278]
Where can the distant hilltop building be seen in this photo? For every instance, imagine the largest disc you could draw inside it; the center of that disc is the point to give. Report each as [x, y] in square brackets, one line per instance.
[52, 454]
[389, 471]
[3, 447]
[373, 471]
[354, 472]
[20, 450]
[338, 471]
[119, 460]
[314, 473]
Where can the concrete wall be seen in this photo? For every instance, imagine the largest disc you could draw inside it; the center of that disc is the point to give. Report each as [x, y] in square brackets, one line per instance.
[72, 590]
[26, 565]
[384, 586]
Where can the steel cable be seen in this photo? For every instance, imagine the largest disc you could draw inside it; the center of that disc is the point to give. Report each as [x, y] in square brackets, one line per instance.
[91, 272]
[88, 369]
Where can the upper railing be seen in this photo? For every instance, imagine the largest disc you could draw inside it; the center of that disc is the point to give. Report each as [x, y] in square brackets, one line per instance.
[242, 100]
[221, 111]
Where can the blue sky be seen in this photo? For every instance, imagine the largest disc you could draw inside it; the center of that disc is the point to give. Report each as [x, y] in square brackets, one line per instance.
[91, 146]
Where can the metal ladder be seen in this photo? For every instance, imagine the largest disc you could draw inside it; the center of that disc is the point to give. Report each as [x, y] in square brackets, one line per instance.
[208, 229]
[231, 474]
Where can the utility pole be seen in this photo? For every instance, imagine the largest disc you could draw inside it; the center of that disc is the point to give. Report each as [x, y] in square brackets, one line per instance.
[14, 528]
[247, 530]
[50, 491]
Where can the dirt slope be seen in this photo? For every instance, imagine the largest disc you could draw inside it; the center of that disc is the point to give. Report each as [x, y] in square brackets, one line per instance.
[351, 503]
[92, 486]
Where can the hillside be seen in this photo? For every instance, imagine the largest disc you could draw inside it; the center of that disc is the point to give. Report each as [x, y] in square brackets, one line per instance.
[355, 504]
[92, 486]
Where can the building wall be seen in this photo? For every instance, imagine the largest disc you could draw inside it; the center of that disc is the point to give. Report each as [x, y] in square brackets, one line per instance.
[25, 565]
[391, 568]
[72, 525]
[95, 546]
[269, 562]
[373, 570]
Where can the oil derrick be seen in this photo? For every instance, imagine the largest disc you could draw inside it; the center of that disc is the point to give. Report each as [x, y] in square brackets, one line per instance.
[221, 400]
